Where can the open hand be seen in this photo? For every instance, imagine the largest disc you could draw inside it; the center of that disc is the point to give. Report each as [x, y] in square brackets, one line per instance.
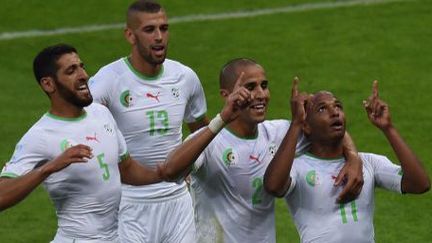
[76, 154]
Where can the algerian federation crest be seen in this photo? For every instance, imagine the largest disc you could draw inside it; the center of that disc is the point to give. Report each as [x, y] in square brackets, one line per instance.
[67, 143]
[312, 178]
[229, 157]
[272, 149]
[126, 98]
[175, 92]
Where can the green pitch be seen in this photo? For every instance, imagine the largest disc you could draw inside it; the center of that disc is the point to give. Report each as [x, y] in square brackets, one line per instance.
[341, 49]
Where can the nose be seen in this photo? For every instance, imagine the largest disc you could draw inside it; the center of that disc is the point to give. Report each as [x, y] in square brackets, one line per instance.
[83, 74]
[334, 111]
[259, 93]
[158, 35]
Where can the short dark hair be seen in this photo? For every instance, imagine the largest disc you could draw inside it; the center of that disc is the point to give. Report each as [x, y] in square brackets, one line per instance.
[228, 74]
[45, 63]
[147, 6]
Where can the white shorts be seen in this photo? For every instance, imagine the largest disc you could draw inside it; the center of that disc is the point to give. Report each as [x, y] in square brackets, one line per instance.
[61, 239]
[170, 221]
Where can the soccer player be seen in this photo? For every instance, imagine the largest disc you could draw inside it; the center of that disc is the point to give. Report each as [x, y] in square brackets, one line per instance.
[229, 164]
[150, 97]
[307, 181]
[76, 150]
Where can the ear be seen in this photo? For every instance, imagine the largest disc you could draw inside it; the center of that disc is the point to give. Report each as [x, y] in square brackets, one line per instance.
[129, 35]
[48, 85]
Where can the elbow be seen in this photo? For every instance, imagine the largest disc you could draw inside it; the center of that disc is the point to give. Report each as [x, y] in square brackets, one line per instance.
[273, 188]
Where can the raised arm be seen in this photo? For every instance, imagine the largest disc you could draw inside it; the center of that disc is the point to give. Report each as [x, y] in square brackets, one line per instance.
[180, 160]
[13, 190]
[414, 178]
[277, 178]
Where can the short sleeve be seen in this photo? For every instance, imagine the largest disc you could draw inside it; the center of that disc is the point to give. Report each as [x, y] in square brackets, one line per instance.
[387, 175]
[28, 153]
[196, 106]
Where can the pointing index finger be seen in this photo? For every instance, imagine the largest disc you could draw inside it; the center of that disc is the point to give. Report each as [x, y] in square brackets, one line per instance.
[294, 90]
[239, 81]
[375, 93]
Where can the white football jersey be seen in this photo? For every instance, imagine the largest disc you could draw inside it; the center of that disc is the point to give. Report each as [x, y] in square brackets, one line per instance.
[149, 112]
[86, 195]
[312, 198]
[231, 204]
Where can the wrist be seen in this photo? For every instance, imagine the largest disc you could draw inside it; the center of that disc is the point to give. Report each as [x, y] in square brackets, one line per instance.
[216, 124]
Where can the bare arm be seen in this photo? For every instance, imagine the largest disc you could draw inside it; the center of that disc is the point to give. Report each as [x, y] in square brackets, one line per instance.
[193, 126]
[277, 178]
[133, 173]
[351, 173]
[13, 190]
[415, 178]
[180, 161]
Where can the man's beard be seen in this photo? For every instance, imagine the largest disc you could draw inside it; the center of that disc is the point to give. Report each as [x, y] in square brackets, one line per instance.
[72, 97]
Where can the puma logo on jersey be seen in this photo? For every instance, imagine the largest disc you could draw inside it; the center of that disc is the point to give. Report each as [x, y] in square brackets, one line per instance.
[92, 138]
[256, 159]
[152, 96]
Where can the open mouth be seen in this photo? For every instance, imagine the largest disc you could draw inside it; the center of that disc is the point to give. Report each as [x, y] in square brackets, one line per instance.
[83, 89]
[158, 49]
[259, 107]
[337, 125]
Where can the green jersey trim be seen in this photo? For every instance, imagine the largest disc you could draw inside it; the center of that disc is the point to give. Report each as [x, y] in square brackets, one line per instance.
[201, 117]
[140, 75]
[326, 159]
[9, 175]
[124, 156]
[70, 119]
[245, 137]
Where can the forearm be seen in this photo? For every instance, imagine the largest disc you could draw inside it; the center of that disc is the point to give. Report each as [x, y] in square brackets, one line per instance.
[180, 161]
[350, 151]
[13, 190]
[277, 177]
[414, 179]
[133, 173]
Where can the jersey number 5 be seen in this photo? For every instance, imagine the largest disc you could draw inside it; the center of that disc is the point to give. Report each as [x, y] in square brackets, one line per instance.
[103, 166]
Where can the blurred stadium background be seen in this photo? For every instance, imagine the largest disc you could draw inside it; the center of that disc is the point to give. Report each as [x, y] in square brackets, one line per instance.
[341, 46]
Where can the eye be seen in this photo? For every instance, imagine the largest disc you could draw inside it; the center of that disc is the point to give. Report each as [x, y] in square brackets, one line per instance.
[164, 28]
[321, 109]
[148, 29]
[250, 86]
[264, 84]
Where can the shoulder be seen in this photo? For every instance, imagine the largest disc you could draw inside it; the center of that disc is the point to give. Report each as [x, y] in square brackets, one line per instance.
[97, 110]
[110, 71]
[279, 125]
[174, 67]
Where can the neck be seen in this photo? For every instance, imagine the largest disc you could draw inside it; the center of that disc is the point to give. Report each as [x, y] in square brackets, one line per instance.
[66, 110]
[244, 130]
[143, 66]
[327, 150]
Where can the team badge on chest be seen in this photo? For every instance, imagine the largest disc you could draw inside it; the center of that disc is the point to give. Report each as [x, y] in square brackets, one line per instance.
[229, 157]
